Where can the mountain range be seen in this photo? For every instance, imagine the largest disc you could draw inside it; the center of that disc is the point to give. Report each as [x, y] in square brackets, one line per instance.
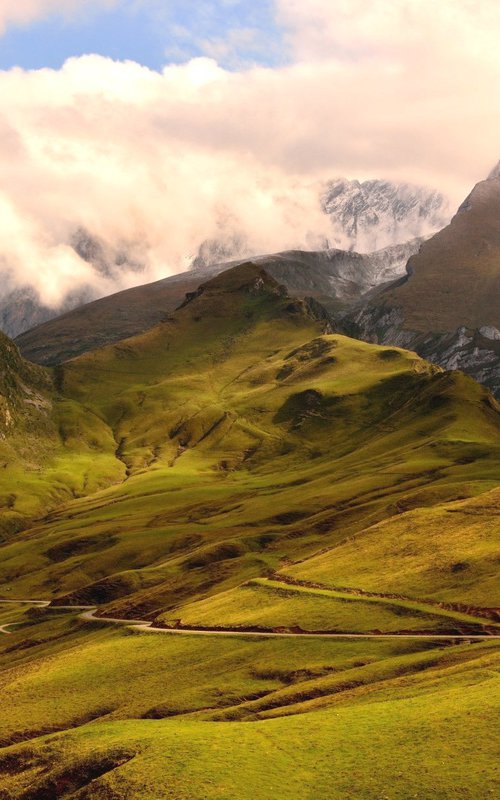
[333, 277]
[379, 213]
[437, 296]
[217, 508]
[447, 306]
[255, 491]
[374, 214]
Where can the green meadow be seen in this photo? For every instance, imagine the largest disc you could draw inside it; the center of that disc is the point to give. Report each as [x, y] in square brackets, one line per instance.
[109, 713]
[242, 468]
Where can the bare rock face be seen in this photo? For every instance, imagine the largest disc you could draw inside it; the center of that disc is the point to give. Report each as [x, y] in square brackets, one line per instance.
[365, 217]
[376, 214]
[490, 333]
[447, 307]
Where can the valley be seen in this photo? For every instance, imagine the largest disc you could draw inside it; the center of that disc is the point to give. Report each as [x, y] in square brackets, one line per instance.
[249, 400]
[244, 555]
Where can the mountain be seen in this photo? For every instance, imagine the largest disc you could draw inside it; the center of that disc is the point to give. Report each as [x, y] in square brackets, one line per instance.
[444, 303]
[375, 214]
[447, 306]
[21, 307]
[368, 216]
[247, 481]
[365, 217]
[241, 386]
[335, 278]
[219, 251]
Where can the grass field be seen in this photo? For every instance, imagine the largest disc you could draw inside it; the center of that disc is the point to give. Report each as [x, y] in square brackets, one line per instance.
[272, 604]
[153, 716]
[448, 552]
[239, 467]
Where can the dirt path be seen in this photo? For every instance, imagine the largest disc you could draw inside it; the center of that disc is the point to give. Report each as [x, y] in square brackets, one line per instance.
[89, 615]
[3, 628]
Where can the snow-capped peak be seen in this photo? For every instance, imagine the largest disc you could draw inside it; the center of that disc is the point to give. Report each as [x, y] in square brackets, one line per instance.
[374, 214]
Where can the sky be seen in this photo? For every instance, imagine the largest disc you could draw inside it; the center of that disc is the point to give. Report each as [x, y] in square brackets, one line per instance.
[150, 32]
[158, 124]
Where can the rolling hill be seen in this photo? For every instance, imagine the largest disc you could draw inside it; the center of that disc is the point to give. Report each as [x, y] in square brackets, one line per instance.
[249, 481]
[239, 397]
[334, 277]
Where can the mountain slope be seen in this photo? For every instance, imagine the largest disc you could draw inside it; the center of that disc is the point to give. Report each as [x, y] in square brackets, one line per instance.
[365, 217]
[271, 476]
[334, 277]
[50, 448]
[375, 214]
[447, 308]
[106, 268]
[218, 415]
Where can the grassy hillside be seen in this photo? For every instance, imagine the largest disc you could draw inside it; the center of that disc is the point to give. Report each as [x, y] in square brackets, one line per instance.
[51, 449]
[248, 438]
[151, 716]
[446, 553]
[241, 467]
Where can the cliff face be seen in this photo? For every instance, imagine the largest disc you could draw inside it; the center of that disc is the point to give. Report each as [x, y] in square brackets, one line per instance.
[371, 215]
[447, 307]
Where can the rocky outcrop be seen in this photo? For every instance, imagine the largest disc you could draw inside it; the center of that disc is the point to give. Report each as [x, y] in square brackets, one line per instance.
[468, 350]
[371, 215]
[447, 306]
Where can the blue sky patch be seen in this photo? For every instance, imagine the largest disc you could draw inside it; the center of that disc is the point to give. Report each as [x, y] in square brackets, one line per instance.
[236, 33]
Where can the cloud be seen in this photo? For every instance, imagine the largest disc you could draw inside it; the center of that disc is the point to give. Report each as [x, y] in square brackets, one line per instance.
[22, 12]
[159, 162]
[124, 152]
[390, 30]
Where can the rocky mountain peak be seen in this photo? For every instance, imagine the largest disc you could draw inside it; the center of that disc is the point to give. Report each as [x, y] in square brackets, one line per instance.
[248, 278]
[374, 214]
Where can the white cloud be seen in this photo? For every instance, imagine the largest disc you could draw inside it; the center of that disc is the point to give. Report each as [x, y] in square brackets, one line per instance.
[390, 30]
[129, 155]
[401, 90]
[22, 12]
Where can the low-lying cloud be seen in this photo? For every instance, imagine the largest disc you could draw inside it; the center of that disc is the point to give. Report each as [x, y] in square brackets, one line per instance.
[154, 164]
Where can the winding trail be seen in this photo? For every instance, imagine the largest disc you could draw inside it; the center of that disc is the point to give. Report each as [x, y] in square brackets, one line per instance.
[3, 628]
[89, 615]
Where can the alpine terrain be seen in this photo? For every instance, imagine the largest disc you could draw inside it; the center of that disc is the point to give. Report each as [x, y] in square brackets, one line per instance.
[243, 555]
[371, 216]
[336, 278]
[447, 306]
